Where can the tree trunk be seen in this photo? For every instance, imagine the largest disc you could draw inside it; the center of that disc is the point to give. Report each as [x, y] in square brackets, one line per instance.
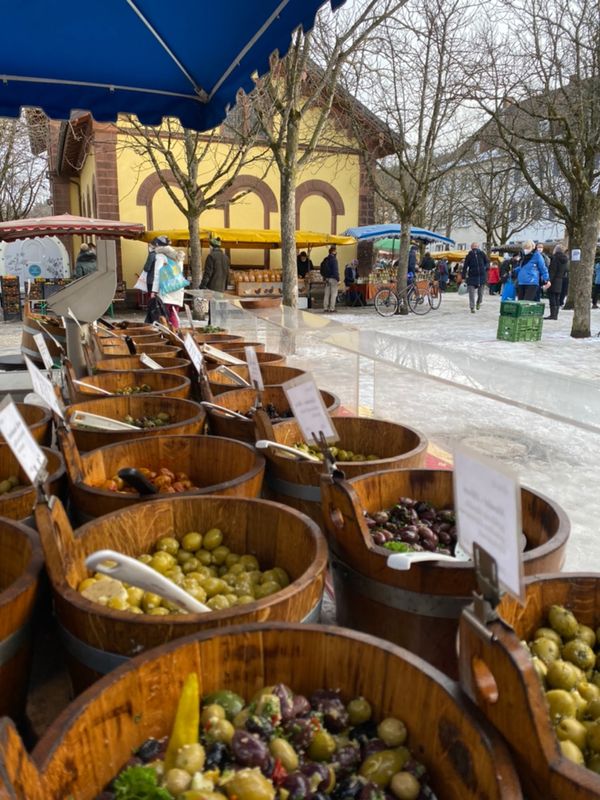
[585, 236]
[195, 261]
[287, 186]
[402, 271]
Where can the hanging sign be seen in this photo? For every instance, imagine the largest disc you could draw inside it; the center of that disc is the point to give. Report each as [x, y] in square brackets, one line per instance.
[575, 255]
[487, 499]
[193, 352]
[43, 350]
[44, 388]
[309, 409]
[149, 362]
[18, 437]
[256, 378]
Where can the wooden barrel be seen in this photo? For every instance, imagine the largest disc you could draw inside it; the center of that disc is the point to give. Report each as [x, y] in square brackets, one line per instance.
[419, 608]
[242, 400]
[211, 338]
[180, 366]
[19, 504]
[126, 328]
[273, 359]
[498, 675]
[162, 383]
[50, 326]
[237, 344]
[91, 742]
[215, 465]
[121, 350]
[297, 483]
[187, 417]
[39, 421]
[21, 562]
[98, 639]
[271, 375]
[113, 341]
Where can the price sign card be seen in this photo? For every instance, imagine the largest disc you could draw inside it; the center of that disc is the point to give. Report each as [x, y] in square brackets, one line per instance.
[487, 499]
[193, 352]
[43, 350]
[188, 314]
[256, 378]
[149, 362]
[18, 437]
[44, 388]
[309, 409]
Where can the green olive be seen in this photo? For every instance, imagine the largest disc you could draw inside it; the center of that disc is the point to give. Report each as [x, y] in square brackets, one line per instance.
[593, 736]
[561, 704]
[162, 561]
[359, 711]
[266, 589]
[212, 539]
[192, 541]
[218, 602]
[231, 702]
[285, 753]
[572, 730]
[546, 650]
[184, 555]
[190, 757]
[250, 563]
[204, 557]
[212, 711]
[587, 634]
[219, 554]
[563, 621]
[578, 652]
[392, 732]
[322, 746]
[380, 767]
[214, 586]
[177, 781]
[169, 544]
[405, 786]
[232, 558]
[588, 691]
[571, 751]
[561, 675]
[548, 633]
[221, 730]
[250, 784]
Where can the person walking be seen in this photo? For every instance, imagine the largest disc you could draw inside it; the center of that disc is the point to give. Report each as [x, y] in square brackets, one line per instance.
[556, 274]
[86, 262]
[596, 288]
[168, 281]
[494, 279]
[474, 272]
[331, 275]
[441, 273]
[216, 268]
[533, 271]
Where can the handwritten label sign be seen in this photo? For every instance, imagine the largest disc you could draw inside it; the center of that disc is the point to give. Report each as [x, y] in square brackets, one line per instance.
[193, 352]
[18, 437]
[43, 350]
[256, 378]
[149, 362]
[44, 388]
[309, 409]
[487, 499]
[188, 314]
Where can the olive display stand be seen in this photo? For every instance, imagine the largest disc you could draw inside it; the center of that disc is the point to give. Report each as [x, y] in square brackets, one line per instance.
[18, 504]
[497, 673]
[99, 638]
[20, 566]
[95, 736]
[272, 376]
[242, 400]
[39, 421]
[180, 366]
[49, 325]
[215, 465]
[418, 608]
[297, 483]
[162, 383]
[187, 418]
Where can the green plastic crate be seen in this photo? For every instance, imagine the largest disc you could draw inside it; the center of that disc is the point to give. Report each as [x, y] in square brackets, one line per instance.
[519, 329]
[521, 308]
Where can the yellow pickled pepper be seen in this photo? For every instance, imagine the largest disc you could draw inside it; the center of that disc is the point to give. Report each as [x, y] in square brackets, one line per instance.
[187, 720]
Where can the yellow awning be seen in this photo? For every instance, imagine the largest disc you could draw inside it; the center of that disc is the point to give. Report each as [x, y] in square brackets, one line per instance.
[459, 255]
[251, 239]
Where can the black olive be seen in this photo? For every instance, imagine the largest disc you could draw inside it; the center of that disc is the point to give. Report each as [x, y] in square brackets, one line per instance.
[367, 730]
[348, 789]
[217, 755]
[149, 750]
[260, 725]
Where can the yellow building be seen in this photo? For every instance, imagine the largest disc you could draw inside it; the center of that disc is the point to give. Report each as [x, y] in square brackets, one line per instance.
[95, 171]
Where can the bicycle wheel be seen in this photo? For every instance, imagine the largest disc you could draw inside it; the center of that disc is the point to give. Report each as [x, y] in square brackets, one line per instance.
[435, 296]
[417, 302]
[386, 302]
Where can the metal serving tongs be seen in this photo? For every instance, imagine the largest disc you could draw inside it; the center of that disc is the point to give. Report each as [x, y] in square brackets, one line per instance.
[131, 571]
[224, 410]
[302, 455]
[404, 561]
[98, 421]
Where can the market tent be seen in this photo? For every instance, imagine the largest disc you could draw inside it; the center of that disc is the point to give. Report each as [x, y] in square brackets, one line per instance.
[65, 224]
[183, 59]
[459, 255]
[371, 233]
[251, 239]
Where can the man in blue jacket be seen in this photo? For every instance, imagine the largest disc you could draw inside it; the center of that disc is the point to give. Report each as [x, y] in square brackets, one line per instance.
[331, 274]
[475, 273]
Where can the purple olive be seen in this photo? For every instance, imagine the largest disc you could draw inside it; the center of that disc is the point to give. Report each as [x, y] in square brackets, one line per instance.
[371, 746]
[318, 775]
[300, 732]
[378, 537]
[444, 538]
[370, 522]
[381, 517]
[297, 785]
[335, 716]
[286, 700]
[346, 759]
[371, 792]
[300, 706]
[410, 537]
[249, 750]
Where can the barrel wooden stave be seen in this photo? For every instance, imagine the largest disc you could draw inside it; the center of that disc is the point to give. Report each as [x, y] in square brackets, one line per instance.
[31, 327]
[21, 563]
[276, 535]
[237, 344]
[520, 711]
[188, 418]
[423, 603]
[18, 505]
[219, 466]
[180, 366]
[93, 739]
[211, 338]
[273, 375]
[162, 383]
[39, 421]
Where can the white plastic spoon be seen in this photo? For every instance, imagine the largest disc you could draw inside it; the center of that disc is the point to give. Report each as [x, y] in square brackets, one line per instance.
[263, 444]
[98, 421]
[224, 410]
[404, 561]
[95, 388]
[130, 570]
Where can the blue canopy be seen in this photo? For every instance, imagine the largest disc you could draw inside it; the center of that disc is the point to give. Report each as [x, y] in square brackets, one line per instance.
[370, 233]
[153, 58]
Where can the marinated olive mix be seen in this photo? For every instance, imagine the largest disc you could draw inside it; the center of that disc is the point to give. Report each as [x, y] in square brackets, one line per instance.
[413, 526]
[271, 411]
[566, 658]
[156, 421]
[339, 453]
[165, 480]
[10, 484]
[199, 563]
[279, 746]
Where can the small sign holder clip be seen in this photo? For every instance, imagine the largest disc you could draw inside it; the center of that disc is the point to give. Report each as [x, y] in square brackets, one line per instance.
[488, 596]
[334, 472]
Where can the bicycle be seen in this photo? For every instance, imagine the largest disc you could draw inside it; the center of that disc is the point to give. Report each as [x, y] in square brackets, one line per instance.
[421, 297]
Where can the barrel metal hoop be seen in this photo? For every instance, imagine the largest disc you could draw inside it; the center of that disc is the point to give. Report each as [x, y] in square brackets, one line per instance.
[298, 490]
[424, 605]
[314, 615]
[10, 646]
[91, 657]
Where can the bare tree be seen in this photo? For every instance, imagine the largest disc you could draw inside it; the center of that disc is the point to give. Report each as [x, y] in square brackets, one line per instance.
[544, 100]
[23, 175]
[203, 164]
[413, 79]
[294, 100]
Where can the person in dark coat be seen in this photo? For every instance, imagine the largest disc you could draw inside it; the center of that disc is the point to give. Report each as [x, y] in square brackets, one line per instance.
[86, 261]
[331, 275]
[475, 273]
[412, 259]
[428, 262]
[556, 273]
[216, 268]
[303, 264]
